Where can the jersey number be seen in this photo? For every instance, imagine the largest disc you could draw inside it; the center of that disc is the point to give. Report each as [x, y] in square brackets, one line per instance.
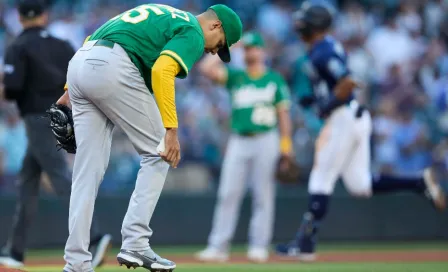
[264, 116]
[143, 13]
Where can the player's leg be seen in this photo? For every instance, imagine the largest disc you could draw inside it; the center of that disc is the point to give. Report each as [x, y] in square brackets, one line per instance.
[53, 162]
[332, 150]
[356, 173]
[26, 207]
[232, 188]
[263, 196]
[427, 185]
[359, 181]
[128, 103]
[94, 138]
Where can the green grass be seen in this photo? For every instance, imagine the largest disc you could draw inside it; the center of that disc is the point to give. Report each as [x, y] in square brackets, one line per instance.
[352, 246]
[339, 267]
[278, 267]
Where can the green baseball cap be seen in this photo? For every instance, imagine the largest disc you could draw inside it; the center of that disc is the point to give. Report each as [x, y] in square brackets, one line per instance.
[253, 39]
[232, 26]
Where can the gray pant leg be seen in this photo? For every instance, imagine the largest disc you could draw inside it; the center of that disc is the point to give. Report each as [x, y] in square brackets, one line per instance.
[263, 190]
[232, 187]
[127, 102]
[111, 82]
[94, 139]
[26, 206]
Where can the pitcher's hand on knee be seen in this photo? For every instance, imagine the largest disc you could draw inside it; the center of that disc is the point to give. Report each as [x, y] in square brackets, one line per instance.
[172, 148]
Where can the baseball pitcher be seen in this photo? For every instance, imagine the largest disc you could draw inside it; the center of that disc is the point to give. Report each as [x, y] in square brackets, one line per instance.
[260, 103]
[111, 82]
[343, 145]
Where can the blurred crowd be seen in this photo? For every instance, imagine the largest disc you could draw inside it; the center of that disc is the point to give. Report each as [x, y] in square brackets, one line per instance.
[396, 48]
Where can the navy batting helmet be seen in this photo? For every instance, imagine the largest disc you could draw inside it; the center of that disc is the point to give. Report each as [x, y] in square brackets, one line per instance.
[311, 18]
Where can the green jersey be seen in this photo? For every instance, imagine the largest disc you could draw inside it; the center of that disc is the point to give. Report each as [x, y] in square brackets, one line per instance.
[151, 30]
[255, 101]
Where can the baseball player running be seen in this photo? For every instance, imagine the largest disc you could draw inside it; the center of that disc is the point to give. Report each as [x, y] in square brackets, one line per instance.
[260, 100]
[111, 80]
[342, 148]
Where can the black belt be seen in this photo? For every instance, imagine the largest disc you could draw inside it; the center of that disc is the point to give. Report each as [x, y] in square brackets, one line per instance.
[360, 111]
[248, 134]
[104, 43]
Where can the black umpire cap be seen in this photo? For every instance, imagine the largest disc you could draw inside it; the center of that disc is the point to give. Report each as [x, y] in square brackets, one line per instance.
[31, 8]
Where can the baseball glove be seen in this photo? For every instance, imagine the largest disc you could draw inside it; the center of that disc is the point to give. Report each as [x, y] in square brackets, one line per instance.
[61, 123]
[287, 172]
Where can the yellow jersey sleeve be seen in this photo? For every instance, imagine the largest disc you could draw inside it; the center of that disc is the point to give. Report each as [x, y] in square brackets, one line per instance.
[163, 74]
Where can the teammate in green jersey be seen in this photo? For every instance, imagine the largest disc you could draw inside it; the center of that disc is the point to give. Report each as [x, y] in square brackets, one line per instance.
[110, 82]
[260, 103]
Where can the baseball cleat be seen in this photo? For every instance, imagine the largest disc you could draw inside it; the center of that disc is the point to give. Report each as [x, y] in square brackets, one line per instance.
[288, 250]
[258, 255]
[148, 259]
[433, 189]
[291, 250]
[304, 246]
[212, 255]
[10, 262]
[101, 246]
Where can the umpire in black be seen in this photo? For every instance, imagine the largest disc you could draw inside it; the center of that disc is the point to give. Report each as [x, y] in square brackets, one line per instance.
[35, 73]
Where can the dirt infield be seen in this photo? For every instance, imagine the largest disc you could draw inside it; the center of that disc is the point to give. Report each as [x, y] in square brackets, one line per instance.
[325, 257]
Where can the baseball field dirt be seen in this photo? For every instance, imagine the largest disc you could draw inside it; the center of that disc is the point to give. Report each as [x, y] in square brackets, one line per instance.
[406, 257]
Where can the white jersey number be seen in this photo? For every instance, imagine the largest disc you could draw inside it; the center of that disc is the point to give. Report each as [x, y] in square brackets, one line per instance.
[264, 115]
[143, 13]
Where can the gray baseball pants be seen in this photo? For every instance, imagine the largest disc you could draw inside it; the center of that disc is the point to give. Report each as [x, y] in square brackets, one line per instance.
[106, 90]
[247, 159]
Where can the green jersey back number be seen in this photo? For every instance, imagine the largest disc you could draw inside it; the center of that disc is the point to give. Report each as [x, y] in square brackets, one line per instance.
[143, 13]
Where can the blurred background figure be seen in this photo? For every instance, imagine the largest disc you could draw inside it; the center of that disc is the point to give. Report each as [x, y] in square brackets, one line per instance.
[13, 143]
[343, 145]
[261, 132]
[34, 76]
